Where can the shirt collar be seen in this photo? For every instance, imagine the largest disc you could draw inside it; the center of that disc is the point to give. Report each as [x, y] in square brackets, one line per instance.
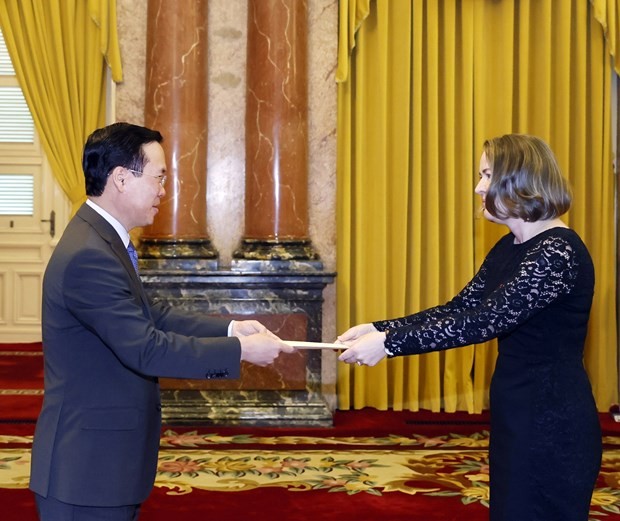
[120, 229]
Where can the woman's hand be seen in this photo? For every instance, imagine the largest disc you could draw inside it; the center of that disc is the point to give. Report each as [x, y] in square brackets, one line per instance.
[368, 349]
[356, 332]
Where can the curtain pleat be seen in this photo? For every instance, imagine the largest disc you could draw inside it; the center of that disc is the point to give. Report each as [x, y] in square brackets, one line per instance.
[607, 13]
[425, 84]
[59, 49]
[351, 14]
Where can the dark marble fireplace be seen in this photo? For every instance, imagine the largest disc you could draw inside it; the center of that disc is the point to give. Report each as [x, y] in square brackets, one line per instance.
[288, 393]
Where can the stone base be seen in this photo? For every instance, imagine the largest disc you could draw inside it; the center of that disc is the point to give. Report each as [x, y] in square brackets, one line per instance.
[245, 408]
[178, 265]
[275, 266]
[276, 250]
[177, 255]
[176, 249]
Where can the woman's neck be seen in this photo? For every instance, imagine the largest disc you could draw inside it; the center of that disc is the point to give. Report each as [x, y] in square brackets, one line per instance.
[524, 231]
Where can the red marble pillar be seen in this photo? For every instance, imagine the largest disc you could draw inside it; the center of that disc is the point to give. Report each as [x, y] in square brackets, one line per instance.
[276, 133]
[176, 105]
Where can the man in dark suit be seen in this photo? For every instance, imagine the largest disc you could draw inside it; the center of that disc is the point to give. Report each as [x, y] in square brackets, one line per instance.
[94, 453]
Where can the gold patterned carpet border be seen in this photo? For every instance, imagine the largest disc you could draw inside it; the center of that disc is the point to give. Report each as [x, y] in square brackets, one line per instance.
[448, 466]
[195, 440]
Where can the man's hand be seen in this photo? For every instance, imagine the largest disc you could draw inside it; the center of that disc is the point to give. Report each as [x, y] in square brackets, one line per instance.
[262, 348]
[242, 328]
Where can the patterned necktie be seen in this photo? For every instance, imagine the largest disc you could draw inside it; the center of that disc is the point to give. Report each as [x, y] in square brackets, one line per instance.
[133, 255]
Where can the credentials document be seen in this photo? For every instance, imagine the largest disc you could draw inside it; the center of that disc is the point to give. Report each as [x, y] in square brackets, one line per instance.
[313, 345]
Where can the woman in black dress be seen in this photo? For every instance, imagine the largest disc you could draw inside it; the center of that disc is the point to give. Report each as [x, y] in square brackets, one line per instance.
[533, 292]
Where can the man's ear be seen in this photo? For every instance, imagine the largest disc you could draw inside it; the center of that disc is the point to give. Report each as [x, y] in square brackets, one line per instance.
[118, 177]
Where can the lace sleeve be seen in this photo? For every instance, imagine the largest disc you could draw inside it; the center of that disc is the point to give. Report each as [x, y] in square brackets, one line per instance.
[547, 272]
[469, 297]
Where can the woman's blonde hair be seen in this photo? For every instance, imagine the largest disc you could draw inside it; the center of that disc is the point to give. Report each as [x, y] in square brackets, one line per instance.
[526, 180]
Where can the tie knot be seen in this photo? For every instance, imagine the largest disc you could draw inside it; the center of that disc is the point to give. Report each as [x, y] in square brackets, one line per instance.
[133, 255]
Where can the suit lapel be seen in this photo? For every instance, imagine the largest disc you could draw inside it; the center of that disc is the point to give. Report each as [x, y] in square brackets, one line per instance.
[109, 234]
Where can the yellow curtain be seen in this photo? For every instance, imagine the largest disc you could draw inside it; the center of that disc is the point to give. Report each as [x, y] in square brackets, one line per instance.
[607, 12]
[420, 87]
[59, 49]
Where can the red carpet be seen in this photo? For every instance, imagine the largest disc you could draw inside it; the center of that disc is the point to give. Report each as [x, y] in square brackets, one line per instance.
[352, 493]
[261, 505]
[447, 472]
[21, 381]
[269, 464]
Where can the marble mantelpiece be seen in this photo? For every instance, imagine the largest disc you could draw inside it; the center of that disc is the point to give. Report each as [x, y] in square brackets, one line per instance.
[287, 393]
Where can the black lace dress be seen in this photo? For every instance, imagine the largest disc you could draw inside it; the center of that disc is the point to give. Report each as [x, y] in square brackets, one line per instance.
[535, 297]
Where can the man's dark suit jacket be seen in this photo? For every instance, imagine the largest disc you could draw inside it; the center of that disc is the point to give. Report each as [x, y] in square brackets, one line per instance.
[104, 346]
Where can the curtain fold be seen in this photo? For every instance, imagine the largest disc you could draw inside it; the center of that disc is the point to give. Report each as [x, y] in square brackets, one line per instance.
[103, 14]
[423, 85]
[607, 13]
[351, 14]
[59, 49]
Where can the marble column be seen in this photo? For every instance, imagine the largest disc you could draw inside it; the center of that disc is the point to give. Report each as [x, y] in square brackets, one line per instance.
[276, 133]
[176, 105]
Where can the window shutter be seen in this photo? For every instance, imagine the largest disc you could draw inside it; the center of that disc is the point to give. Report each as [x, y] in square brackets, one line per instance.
[16, 194]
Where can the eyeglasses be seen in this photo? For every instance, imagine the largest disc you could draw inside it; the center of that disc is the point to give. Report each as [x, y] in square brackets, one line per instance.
[160, 178]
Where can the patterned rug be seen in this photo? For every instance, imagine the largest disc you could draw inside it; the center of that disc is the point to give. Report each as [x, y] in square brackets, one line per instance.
[358, 470]
[452, 466]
